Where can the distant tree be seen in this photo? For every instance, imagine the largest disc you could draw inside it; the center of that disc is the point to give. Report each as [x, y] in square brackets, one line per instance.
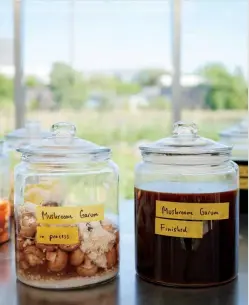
[149, 77]
[6, 88]
[227, 90]
[100, 82]
[68, 86]
[160, 103]
[127, 88]
[113, 84]
[33, 82]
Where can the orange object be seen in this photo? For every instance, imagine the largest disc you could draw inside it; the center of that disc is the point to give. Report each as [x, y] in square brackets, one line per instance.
[4, 221]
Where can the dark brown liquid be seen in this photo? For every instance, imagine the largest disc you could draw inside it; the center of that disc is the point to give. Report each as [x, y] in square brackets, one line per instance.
[243, 194]
[177, 261]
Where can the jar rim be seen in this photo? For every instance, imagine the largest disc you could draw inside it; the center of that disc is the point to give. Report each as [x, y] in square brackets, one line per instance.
[192, 159]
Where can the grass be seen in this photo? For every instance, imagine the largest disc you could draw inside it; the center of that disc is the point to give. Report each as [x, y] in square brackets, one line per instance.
[123, 130]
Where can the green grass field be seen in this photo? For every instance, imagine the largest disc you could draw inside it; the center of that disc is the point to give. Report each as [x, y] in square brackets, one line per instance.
[122, 130]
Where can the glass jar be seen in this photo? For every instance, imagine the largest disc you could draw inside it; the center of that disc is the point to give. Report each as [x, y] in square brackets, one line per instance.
[186, 211]
[4, 193]
[67, 233]
[20, 137]
[238, 137]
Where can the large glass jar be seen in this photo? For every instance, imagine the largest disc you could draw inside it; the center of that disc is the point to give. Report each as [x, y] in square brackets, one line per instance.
[67, 233]
[20, 137]
[186, 211]
[238, 137]
[4, 193]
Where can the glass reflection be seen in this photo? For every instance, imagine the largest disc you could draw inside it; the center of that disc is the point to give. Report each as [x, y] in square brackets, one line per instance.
[148, 294]
[102, 295]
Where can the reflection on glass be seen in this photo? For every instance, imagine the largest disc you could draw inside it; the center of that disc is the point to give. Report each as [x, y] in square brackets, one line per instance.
[5, 263]
[106, 294]
[227, 294]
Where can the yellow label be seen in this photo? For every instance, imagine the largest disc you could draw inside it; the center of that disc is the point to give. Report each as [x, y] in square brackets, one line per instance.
[192, 211]
[69, 215]
[243, 183]
[243, 171]
[176, 228]
[57, 235]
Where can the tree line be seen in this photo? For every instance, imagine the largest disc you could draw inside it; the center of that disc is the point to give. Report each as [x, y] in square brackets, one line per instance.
[71, 88]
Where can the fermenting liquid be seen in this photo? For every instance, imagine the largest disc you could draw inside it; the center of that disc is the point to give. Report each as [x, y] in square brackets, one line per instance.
[176, 244]
[243, 194]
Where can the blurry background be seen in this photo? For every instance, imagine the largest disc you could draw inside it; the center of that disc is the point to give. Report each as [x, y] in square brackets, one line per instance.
[107, 66]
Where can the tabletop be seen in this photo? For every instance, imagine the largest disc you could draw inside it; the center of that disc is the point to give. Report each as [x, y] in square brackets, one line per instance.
[127, 289]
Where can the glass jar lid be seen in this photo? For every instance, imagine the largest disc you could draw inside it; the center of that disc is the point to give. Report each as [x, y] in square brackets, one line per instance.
[239, 130]
[186, 141]
[63, 144]
[23, 136]
[237, 136]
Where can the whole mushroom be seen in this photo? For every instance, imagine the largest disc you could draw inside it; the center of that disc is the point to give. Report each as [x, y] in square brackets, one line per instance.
[111, 257]
[77, 257]
[28, 225]
[23, 265]
[57, 260]
[87, 269]
[20, 243]
[45, 247]
[69, 248]
[33, 256]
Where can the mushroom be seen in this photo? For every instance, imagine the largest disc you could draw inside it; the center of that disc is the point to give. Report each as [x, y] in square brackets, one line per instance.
[19, 256]
[28, 225]
[57, 261]
[87, 269]
[107, 225]
[23, 265]
[69, 248]
[33, 256]
[28, 219]
[45, 247]
[111, 257]
[28, 242]
[20, 243]
[77, 257]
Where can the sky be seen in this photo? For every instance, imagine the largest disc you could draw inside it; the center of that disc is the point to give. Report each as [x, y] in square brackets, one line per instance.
[129, 34]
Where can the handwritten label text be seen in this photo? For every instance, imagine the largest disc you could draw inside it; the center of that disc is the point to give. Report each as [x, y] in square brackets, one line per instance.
[69, 215]
[192, 211]
[57, 235]
[176, 228]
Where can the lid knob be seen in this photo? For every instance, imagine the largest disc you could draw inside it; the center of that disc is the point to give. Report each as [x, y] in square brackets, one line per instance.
[63, 131]
[185, 129]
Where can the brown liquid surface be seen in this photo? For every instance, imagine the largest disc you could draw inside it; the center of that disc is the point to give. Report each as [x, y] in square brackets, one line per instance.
[179, 261]
[243, 194]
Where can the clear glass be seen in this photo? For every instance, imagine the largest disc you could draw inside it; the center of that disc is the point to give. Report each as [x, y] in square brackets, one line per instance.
[238, 137]
[66, 215]
[29, 134]
[186, 219]
[4, 194]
